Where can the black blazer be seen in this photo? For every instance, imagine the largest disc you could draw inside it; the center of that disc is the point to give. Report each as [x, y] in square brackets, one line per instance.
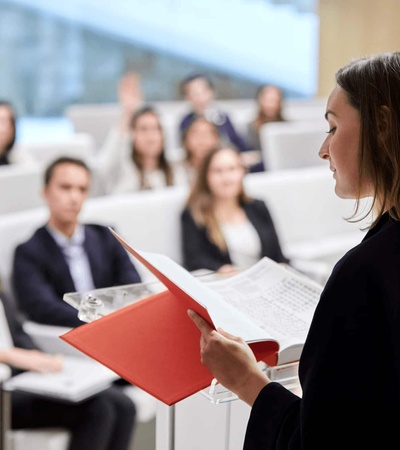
[200, 253]
[41, 274]
[350, 365]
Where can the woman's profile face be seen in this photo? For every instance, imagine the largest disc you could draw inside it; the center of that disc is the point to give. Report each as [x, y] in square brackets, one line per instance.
[341, 146]
[147, 135]
[6, 127]
[201, 138]
[225, 174]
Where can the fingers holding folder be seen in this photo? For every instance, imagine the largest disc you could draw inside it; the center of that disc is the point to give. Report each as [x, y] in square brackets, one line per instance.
[230, 360]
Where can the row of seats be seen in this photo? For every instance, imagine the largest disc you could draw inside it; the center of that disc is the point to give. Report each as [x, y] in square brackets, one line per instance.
[96, 119]
[285, 145]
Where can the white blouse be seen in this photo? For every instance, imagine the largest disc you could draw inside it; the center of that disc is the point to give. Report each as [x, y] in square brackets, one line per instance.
[243, 243]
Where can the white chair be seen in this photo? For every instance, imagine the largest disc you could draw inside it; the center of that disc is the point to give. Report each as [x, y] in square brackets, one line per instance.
[93, 119]
[20, 186]
[78, 145]
[304, 109]
[290, 145]
[309, 217]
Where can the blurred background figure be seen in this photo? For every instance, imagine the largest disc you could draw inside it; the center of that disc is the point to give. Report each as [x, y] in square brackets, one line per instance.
[198, 90]
[223, 229]
[269, 109]
[7, 132]
[269, 100]
[135, 159]
[9, 153]
[198, 138]
[66, 255]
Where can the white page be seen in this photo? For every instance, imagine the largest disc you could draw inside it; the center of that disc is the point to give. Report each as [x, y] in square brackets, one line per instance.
[222, 313]
[257, 304]
[265, 297]
[277, 299]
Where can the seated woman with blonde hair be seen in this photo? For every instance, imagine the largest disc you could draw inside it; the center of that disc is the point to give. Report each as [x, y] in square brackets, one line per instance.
[223, 229]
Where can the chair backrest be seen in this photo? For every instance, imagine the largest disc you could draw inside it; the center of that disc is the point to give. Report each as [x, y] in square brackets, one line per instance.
[291, 145]
[14, 229]
[306, 109]
[303, 203]
[20, 187]
[5, 342]
[78, 145]
[148, 220]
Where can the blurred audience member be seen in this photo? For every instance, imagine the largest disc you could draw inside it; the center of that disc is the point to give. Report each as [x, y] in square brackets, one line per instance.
[269, 109]
[198, 90]
[223, 229]
[198, 139]
[65, 255]
[9, 152]
[105, 421]
[7, 132]
[135, 160]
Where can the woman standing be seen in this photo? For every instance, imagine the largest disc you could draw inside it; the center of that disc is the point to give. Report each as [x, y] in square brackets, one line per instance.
[350, 366]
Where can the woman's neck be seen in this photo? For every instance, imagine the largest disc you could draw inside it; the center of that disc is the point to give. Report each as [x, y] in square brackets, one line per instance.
[149, 163]
[228, 210]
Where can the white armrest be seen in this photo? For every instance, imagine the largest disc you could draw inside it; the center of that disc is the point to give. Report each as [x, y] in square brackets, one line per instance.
[5, 372]
[325, 247]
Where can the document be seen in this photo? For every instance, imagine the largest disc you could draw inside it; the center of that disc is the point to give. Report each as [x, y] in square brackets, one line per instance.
[79, 379]
[154, 345]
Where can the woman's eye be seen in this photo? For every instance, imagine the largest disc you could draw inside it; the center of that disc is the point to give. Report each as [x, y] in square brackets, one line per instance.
[332, 130]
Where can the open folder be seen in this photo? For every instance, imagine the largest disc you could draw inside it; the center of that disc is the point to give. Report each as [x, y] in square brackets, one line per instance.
[154, 345]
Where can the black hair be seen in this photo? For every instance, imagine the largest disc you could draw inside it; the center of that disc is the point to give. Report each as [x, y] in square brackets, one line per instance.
[195, 76]
[48, 173]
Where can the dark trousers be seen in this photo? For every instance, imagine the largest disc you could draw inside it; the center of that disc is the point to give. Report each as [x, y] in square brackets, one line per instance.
[103, 422]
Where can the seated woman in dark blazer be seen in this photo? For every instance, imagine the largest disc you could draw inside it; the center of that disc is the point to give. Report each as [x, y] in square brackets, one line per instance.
[223, 229]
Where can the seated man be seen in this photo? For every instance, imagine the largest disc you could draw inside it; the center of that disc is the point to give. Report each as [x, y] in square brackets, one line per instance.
[64, 255]
[104, 421]
[198, 90]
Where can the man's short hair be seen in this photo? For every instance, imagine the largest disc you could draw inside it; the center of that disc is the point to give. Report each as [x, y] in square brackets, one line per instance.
[194, 76]
[48, 174]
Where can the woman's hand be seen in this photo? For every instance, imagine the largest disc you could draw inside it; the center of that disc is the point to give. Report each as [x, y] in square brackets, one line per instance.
[230, 360]
[129, 97]
[33, 360]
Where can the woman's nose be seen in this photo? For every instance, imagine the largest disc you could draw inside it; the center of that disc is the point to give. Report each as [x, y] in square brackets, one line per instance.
[324, 150]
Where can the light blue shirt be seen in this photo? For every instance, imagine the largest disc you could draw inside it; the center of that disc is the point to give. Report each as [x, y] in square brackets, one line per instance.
[76, 257]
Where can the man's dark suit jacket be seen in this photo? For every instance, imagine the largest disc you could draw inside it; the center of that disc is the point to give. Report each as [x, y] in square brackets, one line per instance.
[41, 274]
[200, 253]
[350, 365]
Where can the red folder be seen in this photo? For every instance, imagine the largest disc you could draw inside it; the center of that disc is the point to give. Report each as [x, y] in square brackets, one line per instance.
[153, 344]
